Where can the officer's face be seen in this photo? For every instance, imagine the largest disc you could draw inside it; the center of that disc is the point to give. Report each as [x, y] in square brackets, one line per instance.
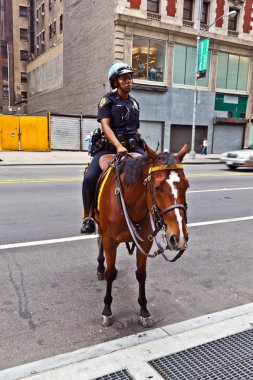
[126, 82]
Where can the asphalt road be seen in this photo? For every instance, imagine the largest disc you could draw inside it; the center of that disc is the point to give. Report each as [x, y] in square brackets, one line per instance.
[51, 301]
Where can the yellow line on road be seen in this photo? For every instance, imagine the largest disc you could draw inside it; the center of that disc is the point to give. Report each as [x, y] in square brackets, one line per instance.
[8, 181]
[48, 180]
[218, 174]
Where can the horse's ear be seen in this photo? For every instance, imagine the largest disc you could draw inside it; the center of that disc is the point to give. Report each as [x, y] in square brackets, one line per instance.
[151, 153]
[182, 152]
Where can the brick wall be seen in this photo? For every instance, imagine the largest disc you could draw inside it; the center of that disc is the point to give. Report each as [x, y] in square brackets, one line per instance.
[135, 4]
[220, 8]
[248, 16]
[171, 7]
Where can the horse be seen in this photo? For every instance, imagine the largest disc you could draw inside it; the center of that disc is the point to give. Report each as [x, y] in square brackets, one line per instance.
[139, 197]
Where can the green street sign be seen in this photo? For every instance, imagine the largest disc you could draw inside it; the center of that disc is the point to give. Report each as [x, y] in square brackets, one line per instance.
[203, 56]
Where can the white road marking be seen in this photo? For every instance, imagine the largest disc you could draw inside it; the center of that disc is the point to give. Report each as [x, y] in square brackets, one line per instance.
[45, 242]
[232, 220]
[223, 189]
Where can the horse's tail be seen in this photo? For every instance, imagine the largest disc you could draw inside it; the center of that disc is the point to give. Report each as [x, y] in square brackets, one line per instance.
[101, 260]
[130, 249]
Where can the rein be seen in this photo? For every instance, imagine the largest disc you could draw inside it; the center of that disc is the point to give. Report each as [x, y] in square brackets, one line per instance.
[156, 225]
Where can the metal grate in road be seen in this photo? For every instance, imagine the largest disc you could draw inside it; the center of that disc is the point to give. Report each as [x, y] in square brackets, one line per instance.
[120, 375]
[229, 358]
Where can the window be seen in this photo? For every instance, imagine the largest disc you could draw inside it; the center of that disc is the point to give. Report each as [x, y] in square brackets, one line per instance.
[187, 12]
[5, 91]
[43, 37]
[232, 20]
[23, 55]
[5, 73]
[204, 14]
[4, 50]
[50, 5]
[23, 34]
[153, 6]
[23, 11]
[185, 65]
[24, 95]
[23, 77]
[232, 72]
[50, 31]
[148, 59]
[61, 23]
[54, 27]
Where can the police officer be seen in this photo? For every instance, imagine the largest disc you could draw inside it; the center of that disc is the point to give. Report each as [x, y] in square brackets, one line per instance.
[118, 114]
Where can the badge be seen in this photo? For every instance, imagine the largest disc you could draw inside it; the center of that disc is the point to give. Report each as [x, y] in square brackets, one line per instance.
[135, 105]
[102, 102]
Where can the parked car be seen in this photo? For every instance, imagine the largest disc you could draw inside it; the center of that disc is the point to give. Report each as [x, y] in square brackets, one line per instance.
[238, 158]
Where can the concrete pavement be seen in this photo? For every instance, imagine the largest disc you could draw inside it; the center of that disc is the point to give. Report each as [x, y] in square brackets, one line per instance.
[132, 356]
[73, 158]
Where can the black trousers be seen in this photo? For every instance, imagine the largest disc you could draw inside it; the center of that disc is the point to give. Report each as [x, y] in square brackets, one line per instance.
[91, 176]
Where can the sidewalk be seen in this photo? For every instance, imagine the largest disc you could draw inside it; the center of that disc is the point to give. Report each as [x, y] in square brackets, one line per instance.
[214, 346]
[74, 158]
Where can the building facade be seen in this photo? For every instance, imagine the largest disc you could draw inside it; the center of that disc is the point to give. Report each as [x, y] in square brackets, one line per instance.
[158, 38]
[13, 56]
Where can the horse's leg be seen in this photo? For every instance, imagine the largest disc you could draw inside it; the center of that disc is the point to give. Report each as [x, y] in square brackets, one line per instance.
[144, 318]
[110, 249]
[101, 260]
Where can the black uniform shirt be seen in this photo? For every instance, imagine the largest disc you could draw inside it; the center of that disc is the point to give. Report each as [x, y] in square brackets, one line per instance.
[124, 114]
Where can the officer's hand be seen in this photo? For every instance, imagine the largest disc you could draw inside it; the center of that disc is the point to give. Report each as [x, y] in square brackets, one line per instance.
[121, 150]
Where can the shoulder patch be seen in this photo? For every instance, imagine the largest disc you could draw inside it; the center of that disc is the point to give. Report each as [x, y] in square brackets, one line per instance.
[103, 101]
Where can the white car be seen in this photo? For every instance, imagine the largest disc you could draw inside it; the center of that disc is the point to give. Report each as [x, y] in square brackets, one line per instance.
[238, 158]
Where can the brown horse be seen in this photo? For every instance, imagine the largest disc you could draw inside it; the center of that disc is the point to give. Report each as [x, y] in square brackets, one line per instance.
[145, 195]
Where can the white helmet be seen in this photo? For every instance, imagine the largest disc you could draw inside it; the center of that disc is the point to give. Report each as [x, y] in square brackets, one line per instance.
[118, 69]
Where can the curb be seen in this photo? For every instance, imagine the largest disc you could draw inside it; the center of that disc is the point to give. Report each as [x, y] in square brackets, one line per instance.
[134, 351]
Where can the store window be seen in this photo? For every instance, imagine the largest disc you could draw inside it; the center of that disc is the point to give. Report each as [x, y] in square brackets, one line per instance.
[153, 6]
[185, 64]
[148, 59]
[232, 72]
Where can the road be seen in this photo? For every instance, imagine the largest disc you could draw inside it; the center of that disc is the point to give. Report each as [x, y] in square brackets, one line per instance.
[51, 301]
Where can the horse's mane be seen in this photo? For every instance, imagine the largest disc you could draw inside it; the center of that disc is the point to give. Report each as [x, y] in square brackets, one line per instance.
[133, 167]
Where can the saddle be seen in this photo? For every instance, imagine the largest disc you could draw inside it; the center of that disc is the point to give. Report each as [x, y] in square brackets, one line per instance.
[104, 163]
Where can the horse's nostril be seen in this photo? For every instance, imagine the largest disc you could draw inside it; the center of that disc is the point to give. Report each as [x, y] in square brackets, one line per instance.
[174, 240]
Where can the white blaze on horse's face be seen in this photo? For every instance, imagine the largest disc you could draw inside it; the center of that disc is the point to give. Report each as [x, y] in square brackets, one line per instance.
[174, 178]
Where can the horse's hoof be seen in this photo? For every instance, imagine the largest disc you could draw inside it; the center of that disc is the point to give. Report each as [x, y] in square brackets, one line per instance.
[106, 320]
[145, 321]
[100, 276]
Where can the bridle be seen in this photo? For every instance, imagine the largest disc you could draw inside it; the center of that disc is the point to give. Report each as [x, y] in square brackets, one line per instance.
[155, 214]
[158, 214]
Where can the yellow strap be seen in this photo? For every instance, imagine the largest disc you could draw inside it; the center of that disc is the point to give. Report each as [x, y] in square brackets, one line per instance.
[165, 167]
[102, 186]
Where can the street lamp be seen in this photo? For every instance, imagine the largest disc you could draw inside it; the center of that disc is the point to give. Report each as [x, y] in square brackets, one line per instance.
[192, 153]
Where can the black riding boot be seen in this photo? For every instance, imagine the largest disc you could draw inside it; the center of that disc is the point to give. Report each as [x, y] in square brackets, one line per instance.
[88, 225]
